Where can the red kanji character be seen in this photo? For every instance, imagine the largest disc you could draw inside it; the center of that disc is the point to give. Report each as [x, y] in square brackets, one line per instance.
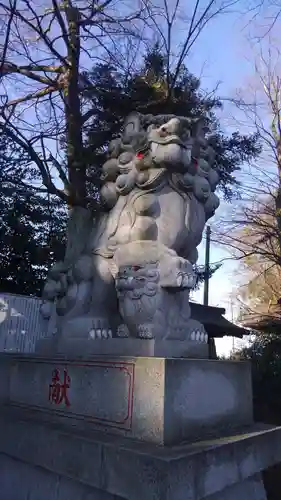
[58, 389]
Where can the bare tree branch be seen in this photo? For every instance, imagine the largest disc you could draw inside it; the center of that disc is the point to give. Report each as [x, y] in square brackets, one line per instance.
[48, 48]
[252, 232]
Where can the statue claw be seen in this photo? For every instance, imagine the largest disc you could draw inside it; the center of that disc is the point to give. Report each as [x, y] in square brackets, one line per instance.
[123, 331]
[199, 336]
[145, 331]
[100, 333]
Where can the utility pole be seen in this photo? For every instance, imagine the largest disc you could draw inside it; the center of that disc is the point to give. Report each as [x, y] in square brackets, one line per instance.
[232, 319]
[207, 266]
[211, 342]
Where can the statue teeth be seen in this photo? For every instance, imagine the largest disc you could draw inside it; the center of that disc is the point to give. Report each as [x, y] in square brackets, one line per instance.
[206, 338]
[104, 333]
[202, 337]
[109, 334]
[193, 335]
[198, 335]
[98, 334]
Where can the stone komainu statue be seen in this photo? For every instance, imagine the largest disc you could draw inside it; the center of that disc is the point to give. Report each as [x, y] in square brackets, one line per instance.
[132, 271]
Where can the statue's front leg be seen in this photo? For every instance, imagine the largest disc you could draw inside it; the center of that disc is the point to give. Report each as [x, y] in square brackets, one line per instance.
[104, 303]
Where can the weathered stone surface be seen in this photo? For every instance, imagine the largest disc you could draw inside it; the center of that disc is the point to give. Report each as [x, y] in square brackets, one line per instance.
[157, 400]
[126, 347]
[249, 489]
[22, 481]
[212, 396]
[137, 471]
[130, 272]
[94, 428]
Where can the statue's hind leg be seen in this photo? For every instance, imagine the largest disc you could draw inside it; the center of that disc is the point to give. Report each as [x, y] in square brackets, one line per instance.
[102, 316]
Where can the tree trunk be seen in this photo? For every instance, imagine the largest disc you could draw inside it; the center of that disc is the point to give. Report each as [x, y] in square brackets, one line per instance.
[80, 218]
[73, 116]
[278, 199]
[79, 227]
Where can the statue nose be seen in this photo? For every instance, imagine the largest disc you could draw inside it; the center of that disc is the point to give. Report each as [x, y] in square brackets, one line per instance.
[172, 127]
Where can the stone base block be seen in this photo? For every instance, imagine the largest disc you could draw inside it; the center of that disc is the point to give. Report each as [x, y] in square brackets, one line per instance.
[156, 400]
[249, 489]
[124, 347]
[22, 481]
[43, 462]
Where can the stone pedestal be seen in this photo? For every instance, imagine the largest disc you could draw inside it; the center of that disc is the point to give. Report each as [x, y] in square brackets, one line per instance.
[124, 347]
[130, 428]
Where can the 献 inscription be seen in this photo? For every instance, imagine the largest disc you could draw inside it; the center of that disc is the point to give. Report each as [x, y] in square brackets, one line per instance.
[58, 389]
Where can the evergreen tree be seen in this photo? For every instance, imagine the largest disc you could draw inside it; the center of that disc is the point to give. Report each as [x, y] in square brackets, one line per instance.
[114, 96]
[31, 228]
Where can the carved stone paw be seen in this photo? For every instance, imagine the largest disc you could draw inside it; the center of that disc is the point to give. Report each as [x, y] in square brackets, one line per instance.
[176, 272]
[199, 336]
[145, 331]
[186, 280]
[123, 331]
[100, 329]
[197, 332]
[100, 333]
[189, 330]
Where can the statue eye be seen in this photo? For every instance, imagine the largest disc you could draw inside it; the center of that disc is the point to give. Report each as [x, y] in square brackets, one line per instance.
[136, 268]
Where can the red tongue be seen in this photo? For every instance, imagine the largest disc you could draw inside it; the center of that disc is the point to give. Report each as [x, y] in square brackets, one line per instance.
[139, 155]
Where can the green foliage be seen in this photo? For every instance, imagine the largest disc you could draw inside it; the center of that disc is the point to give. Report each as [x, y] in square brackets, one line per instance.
[31, 225]
[265, 357]
[203, 272]
[114, 96]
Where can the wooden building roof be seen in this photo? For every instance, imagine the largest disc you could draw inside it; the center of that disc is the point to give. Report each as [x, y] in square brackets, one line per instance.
[216, 325]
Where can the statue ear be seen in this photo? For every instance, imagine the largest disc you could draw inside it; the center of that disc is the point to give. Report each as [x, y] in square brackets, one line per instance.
[132, 124]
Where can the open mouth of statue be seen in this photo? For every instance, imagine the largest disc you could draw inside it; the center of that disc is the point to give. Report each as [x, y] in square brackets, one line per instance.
[171, 139]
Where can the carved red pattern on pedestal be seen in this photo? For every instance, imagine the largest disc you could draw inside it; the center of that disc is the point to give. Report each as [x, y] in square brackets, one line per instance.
[128, 368]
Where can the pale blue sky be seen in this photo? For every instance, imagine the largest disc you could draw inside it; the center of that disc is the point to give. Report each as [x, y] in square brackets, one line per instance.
[221, 56]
